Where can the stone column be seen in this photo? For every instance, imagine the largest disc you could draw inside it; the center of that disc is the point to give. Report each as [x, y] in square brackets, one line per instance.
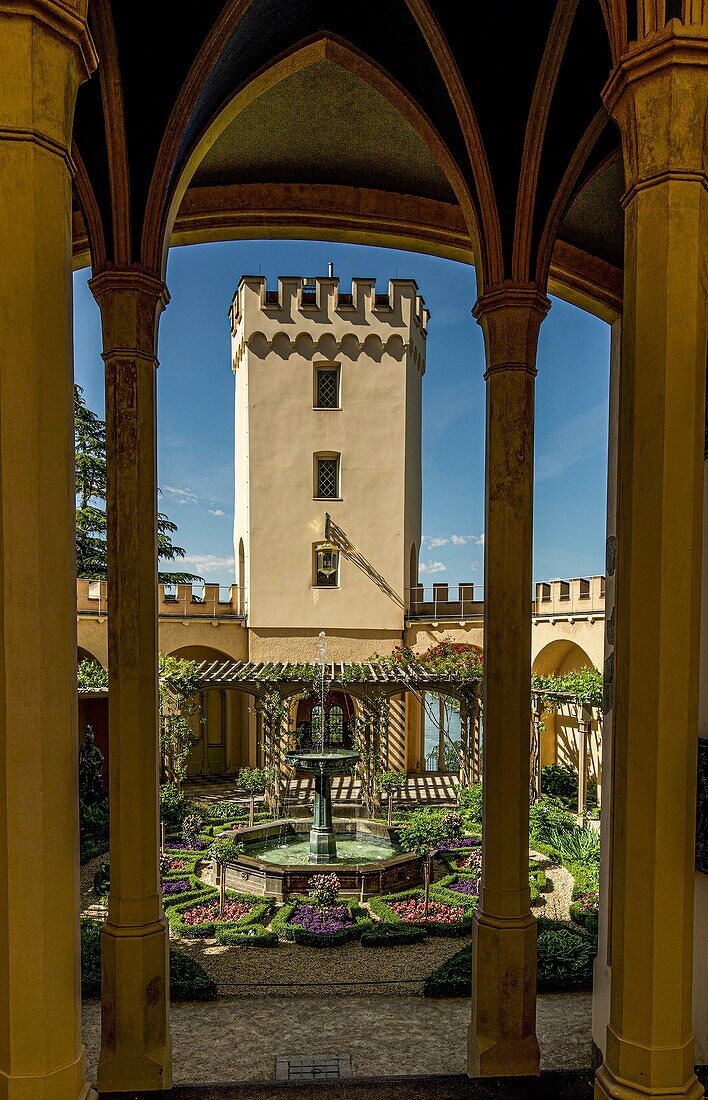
[601, 966]
[658, 95]
[45, 53]
[502, 1037]
[135, 1031]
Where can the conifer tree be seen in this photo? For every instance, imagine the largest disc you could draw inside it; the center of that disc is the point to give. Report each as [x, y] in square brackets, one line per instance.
[90, 450]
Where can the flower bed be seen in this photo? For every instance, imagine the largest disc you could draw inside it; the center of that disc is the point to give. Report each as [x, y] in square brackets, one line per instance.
[413, 912]
[182, 846]
[200, 919]
[444, 917]
[467, 886]
[585, 910]
[302, 922]
[471, 863]
[452, 844]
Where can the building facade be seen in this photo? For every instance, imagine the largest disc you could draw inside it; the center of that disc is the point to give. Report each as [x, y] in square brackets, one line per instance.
[328, 420]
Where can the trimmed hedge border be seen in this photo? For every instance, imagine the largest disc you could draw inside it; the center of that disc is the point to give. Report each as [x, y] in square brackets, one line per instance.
[256, 935]
[297, 934]
[380, 907]
[208, 929]
[387, 934]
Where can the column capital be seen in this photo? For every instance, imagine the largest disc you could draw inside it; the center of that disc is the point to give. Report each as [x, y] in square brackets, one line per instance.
[131, 301]
[657, 95]
[67, 19]
[510, 316]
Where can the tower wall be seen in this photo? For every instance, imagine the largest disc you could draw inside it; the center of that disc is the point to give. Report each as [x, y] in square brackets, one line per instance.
[378, 344]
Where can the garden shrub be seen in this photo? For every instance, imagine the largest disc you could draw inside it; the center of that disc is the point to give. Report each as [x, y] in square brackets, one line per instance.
[255, 935]
[102, 879]
[453, 978]
[470, 802]
[189, 980]
[559, 781]
[173, 805]
[90, 957]
[93, 829]
[546, 815]
[564, 958]
[577, 844]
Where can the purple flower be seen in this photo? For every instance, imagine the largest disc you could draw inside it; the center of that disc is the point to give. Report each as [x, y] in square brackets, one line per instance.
[466, 886]
[177, 887]
[182, 846]
[453, 842]
[321, 922]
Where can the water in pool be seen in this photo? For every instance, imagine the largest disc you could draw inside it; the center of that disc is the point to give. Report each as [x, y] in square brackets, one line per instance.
[296, 849]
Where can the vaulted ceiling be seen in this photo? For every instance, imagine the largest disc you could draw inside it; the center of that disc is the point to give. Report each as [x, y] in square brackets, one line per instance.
[372, 121]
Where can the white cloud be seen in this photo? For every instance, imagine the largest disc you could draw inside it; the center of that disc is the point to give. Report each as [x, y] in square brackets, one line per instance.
[474, 566]
[480, 540]
[460, 540]
[216, 512]
[182, 496]
[432, 567]
[210, 564]
[434, 543]
[582, 436]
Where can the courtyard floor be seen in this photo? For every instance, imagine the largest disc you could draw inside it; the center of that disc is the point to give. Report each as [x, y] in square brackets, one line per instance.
[240, 1038]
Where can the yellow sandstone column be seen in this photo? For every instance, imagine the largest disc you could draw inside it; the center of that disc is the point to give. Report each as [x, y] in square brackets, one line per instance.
[135, 1030]
[658, 95]
[45, 53]
[502, 1038]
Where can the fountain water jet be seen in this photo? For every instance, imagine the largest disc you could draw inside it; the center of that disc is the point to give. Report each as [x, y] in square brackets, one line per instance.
[323, 763]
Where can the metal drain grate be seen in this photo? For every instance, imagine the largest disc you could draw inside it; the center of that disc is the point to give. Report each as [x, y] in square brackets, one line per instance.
[313, 1067]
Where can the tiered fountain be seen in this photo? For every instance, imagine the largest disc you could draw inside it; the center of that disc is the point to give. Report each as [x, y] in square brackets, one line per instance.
[323, 763]
[277, 857]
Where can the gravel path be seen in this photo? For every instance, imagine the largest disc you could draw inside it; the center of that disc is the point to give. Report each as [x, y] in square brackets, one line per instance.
[238, 1038]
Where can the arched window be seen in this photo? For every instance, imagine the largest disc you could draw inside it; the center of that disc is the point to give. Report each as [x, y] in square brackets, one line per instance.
[336, 726]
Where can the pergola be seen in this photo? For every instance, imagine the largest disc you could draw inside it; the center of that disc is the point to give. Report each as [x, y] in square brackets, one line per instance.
[558, 147]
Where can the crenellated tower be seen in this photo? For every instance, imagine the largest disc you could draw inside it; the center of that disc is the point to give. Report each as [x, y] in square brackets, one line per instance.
[328, 420]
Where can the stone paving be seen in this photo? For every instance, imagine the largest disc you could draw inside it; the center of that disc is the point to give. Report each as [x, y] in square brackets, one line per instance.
[239, 1039]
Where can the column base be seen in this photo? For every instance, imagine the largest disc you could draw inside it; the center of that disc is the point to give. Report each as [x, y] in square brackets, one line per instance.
[502, 1036]
[608, 1087]
[323, 846]
[136, 1047]
[62, 1085]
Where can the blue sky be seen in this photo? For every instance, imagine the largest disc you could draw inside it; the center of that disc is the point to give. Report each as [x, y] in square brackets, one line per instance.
[195, 407]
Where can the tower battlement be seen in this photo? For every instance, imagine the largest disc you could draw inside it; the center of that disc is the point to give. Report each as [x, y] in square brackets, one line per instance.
[318, 301]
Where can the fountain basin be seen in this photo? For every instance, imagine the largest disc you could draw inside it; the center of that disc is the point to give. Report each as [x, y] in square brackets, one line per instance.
[257, 872]
[323, 764]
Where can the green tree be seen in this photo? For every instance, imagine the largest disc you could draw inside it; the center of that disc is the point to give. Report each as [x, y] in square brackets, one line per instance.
[179, 683]
[423, 834]
[90, 452]
[253, 780]
[390, 783]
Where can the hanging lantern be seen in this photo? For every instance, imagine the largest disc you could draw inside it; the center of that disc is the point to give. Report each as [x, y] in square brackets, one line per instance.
[327, 559]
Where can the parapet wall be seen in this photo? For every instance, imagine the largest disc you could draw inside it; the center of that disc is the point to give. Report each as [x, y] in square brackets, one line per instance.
[311, 308]
[581, 595]
[181, 600]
